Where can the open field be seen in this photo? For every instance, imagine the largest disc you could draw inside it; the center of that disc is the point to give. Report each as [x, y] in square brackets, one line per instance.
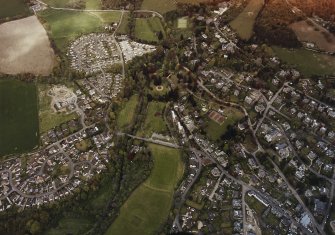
[154, 121]
[214, 130]
[48, 118]
[93, 4]
[12, 8]
[65, 26]
[148, 28]
[65, 3]
[311, 32]
[161, 6]
[149, 205]
[18, 117]
[244, 23]
[127, 114]
[70, 226]
[123, 28]
[108, 17]
[25, 48]
[307, 62]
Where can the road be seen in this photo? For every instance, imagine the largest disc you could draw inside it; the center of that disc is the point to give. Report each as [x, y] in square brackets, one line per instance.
[93, 10]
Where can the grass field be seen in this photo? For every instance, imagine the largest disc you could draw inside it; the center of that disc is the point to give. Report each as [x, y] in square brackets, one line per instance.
[244, 23]
[108, 17]
[123, 28]
[214, 130]
[154, 121]
[93, 4]
[307, 62]
[127, 114]
[12, 8]
[57, 3]
[149, 205]
[65, 26]
[70, 226]
[18, 117]
[161, 6]
[148, 28]
[48, 118]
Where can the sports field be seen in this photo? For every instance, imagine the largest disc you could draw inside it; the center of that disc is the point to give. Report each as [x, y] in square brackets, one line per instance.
[149, 205]
[215, 130]
[18, 117]
[244, 23]
[154, 121]
[161, 6]
[11, 8]
[307, 62]
[148, 28]
[65, 26]
[126, 116]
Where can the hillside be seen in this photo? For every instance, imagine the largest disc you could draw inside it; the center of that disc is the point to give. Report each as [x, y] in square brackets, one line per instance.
[322, 8]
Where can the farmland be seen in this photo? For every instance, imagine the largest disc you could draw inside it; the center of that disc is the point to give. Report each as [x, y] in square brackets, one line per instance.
[25, 42]
[18, 117]
[244, 23]
[65, 26]
[161, 6]
[13, 8]
[308, 31]
[307, 62]
[149, 205]
[148, 29]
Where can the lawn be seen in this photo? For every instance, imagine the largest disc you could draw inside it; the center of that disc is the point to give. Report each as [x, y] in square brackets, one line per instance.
[93, 4]
[161, 6]
[65, 26]
[307, 62]
[243, 24]
[126, 115]
[70, 225]
[19, 130]
[154, 121]
[48, 118]
[12, 8]
[108, 17]
[123, 28]
[147, 29]
[215, 131]
[57, 3]
[148, 207]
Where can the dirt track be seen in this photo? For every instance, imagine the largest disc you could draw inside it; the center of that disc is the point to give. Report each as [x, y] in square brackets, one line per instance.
[25, 48]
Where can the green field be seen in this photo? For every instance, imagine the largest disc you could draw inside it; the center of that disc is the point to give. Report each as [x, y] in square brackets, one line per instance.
[123, 28]
[215, 131]
[126, 116]
[11, 8]
[65, 26]
[307, 62]
[148, 28]
[244, 23]
[71, 225]
[48, 118]
[93, 4]
[161, 6]
[149, 205]
[57, 3]
[154, 121]
[19, 130]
